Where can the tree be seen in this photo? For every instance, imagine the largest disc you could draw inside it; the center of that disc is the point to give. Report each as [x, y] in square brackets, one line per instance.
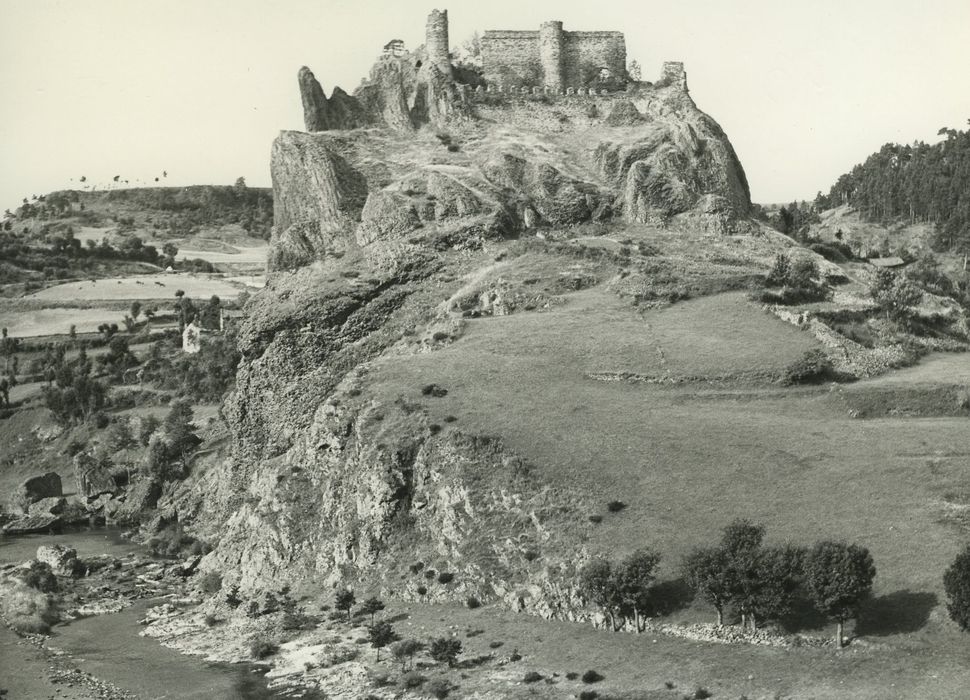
[405, 650]
[445, 650]
[344, 600]
[895, 294]
[598, 583]
[839, 577]
[380, 635]
[371, 606]
[135, 309]
[706, 572]
[634, 576]
[635, 71]
[956, 583]
[770, 582]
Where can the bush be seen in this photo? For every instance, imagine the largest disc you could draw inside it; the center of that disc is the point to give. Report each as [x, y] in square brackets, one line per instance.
[571, 676]
[596, 519]
[422, 590]
[413, 679]
[956, 583]
[433, 390]
[261, 647]
[472, 602]
[439, 688]
[588, 695]
[615, 506]
[444, 577]
[532, 677]
[813, 367]
[40, 577]
[592, 677]
[26, 610]
[211, 582]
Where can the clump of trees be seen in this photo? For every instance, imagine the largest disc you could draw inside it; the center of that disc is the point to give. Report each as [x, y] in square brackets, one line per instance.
[896, 295]
[623, 590]
[759, 582]
[794, 281]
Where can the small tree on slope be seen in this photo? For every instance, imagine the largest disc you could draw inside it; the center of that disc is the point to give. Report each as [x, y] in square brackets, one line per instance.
[598, 583]
[634, 577]
[380, 635]
[956, 583]
[839, 579]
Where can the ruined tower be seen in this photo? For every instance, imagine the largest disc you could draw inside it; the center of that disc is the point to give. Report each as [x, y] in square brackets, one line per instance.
[436, 41]
[551, 42]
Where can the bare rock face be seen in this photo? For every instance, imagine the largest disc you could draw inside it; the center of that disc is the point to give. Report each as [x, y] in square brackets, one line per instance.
[318, 197]
[52, 505]
[315, 108]
[42, 486]
[340, 111]
[92, 479]
[386, 215]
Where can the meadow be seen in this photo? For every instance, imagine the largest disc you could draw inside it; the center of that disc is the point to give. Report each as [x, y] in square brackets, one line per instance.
[704, 434]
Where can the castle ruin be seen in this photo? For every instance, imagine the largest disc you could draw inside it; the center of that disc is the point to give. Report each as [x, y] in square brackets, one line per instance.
[551, 57]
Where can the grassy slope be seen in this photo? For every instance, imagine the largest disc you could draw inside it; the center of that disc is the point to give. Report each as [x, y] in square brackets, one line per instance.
[689, 458]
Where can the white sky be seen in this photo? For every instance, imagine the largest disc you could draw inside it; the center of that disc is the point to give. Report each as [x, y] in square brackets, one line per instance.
[201, 87]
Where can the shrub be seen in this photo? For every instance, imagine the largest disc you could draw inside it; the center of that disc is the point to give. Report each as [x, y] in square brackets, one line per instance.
[433, 390]
[701, 694]
[495, 645]
[592, 677]
[210, 620]
[422, 590]
[26, 610]
[956, 583]
[532, 677]
[596, 519]
[413, 679]
[210, 582]
[615, 506]
[260, 647]
[445, 650]
[40, 577]
[813, 367]
[588, 695]
[571, 676]
[472, 602]
[439, 688]
[416, 567]
[445, 577]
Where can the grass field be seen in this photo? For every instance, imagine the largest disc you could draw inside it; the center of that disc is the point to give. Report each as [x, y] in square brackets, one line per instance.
[32, 323]
[689, 458]
[161, 286]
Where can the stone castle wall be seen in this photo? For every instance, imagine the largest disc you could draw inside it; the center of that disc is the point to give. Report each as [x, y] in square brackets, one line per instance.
[551, 56]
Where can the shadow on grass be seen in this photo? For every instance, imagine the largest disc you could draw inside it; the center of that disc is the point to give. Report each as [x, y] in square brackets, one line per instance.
[896, 613]
[670, 596]
[804, 617]
[475, 662]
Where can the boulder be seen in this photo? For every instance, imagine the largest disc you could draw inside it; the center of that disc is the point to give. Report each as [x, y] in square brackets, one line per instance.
[31, 524]
[62, 560]
[52, 505]
[43, 486]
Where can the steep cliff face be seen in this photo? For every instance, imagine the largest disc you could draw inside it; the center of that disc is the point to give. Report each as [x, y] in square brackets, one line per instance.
[379, 228]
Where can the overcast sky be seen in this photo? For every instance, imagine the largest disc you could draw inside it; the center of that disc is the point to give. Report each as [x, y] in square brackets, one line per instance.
[201, 87]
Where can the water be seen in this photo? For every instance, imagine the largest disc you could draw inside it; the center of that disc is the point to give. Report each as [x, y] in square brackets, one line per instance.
[109, 647]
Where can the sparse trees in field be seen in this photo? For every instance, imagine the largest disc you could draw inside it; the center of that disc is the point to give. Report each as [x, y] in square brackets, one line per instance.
[956, 583]
[344, 600]
[405, 650]
[371, 607]
[381, 635]
[839, 577]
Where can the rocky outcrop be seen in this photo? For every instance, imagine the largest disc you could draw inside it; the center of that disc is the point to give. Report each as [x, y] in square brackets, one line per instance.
[318, 197]
[38, 487]
[62, 560]
[92, 478]
[30, 524]
[52, 505]
[340, 111]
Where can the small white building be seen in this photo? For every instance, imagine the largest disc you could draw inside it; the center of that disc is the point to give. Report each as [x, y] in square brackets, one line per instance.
[192, 339]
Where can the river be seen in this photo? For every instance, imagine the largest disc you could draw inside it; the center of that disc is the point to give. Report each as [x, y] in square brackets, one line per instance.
[109, 646]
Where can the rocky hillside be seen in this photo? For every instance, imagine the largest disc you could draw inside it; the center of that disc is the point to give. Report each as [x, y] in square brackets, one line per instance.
[401, 214]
